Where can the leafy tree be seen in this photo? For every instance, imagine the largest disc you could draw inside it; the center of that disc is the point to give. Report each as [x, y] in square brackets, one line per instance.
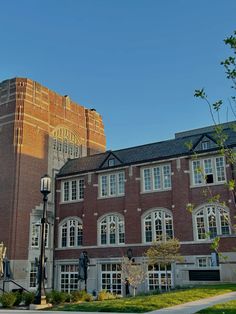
[164, 253]
[133, 272]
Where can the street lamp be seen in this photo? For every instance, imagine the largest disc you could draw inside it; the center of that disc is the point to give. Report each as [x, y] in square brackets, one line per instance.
[45, 189]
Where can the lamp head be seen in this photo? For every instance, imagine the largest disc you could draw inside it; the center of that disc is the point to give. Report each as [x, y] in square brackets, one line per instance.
[45, 186]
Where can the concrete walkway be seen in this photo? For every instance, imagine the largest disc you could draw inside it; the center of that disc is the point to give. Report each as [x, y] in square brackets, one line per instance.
[186, 308]
[196, 306]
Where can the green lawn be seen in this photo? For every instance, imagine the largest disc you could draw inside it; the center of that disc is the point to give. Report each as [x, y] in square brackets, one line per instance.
[141, 304]
[224, 308]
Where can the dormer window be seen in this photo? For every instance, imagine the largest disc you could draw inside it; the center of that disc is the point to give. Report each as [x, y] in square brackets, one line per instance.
[205, 145]
[111, 162]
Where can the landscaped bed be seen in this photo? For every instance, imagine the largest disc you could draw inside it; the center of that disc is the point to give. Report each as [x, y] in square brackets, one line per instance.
[145, 303]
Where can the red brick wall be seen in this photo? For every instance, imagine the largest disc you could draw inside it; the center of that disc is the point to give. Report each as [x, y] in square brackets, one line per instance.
[175, 200]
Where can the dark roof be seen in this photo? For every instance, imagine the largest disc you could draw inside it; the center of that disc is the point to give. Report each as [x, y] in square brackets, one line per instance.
[150, 152]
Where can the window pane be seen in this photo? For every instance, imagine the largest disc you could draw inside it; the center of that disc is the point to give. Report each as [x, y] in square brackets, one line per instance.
[220, 169]
[81, 189]
[79, 234]
[35, 235]
[209, 178]
[33, 275]
[121, 183]
[73, 190]
[147, 179]
[64, 235]
[104, 186]
[157, 178]
[166, 177]
[197, 172]
[112, 184]
[66, 191]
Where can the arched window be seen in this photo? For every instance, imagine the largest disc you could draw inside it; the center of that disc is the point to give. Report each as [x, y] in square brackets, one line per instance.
[66, 142]
[71, 233]
[210, 221]
[112, 230]
[157, 225]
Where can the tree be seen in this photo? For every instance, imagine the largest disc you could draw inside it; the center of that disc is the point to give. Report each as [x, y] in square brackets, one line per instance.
[215, 109]
[164, 253]
[133, 273]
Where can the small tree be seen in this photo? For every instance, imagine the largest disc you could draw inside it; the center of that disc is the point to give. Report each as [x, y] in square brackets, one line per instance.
[133, 272]
[164, 253]
[215, 108]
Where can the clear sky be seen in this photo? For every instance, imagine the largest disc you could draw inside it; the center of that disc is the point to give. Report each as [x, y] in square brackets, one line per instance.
[137, 62]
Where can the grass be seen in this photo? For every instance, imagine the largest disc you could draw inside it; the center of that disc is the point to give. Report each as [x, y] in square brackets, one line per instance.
[223, 308]
[145, 303]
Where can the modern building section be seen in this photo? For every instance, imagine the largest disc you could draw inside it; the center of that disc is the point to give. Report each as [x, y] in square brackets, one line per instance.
[121, 201]
[39, 131]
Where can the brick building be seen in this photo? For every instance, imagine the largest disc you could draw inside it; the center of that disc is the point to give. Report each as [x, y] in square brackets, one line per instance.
[119, 200]
[39, 131]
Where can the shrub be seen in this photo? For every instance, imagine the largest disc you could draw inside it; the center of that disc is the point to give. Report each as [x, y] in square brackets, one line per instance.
[105, 295]
[8, 299]
[78, 295]
[57, 297]
[88, 297]
[28, 297]
[18, 298]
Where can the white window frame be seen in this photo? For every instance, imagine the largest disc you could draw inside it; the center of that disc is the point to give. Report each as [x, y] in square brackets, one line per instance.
[105, 224]
[36, 235]
[68, 197]
[111, 184]
[33, 275]
[164, 180]
[200, 171]
[163, 213]
[156, 277]
[111, 277]
[68, 224]
[207, 210]
[207, 259]
[68, 277]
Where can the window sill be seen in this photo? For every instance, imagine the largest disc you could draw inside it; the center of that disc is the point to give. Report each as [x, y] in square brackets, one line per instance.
[155, 191]
[204, 185]
[108, 197]
[71, 202]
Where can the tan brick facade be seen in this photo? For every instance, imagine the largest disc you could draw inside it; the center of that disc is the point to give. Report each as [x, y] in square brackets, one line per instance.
[33, 120]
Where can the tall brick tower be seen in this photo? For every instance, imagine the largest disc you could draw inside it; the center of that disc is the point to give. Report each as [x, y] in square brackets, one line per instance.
[39, 131]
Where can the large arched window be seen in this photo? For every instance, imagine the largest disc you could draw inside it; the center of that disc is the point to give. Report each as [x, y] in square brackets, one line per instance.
[210, 221]
[157, 225]
[71, 233]
[111, 229]
[66, 142]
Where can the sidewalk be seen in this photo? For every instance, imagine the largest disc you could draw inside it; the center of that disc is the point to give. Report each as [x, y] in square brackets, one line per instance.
[195, 306]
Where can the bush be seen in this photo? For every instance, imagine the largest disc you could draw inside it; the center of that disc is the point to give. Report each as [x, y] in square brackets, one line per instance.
[105, 295]
[57, 297]
[18, 298]
[8, 299]
[88, 297]
[78, 295]
[28, 297]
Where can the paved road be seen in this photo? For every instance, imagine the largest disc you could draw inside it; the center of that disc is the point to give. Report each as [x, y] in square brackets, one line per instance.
[186, 308]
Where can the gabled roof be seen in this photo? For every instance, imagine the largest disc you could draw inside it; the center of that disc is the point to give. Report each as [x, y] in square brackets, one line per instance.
[150, 152]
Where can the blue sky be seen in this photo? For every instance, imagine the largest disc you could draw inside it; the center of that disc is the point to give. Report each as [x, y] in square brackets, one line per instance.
[137, 62]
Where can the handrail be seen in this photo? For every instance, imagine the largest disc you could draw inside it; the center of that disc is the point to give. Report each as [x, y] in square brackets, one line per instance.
[15, 283]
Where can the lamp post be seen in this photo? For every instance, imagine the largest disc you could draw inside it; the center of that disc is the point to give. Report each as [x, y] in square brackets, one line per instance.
[45, 189]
